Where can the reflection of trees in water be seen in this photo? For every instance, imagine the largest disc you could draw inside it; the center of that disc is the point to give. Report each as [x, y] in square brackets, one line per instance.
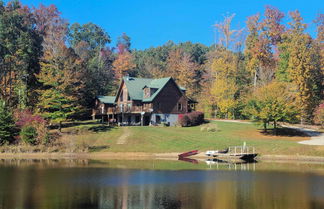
[77, 188]
[44, 163]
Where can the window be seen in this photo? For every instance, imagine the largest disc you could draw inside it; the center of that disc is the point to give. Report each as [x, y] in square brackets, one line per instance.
[146, 92]
[121, 96]
[179, 106]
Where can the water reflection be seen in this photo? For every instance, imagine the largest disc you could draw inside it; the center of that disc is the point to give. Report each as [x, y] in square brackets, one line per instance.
[48, 185]
[235, 165]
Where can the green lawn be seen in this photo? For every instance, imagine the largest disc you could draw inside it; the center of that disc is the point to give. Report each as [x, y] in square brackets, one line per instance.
[176, 139]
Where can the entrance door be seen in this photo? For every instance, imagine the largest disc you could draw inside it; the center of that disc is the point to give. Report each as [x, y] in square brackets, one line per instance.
[158, 119]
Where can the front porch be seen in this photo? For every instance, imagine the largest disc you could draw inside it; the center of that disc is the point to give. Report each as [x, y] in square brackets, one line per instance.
[125, 119]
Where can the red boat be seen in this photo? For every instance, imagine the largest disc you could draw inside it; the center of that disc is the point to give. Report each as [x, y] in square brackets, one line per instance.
[187, 154]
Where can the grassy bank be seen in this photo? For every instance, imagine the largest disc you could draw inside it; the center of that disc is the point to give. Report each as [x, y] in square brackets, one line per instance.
[99, 138]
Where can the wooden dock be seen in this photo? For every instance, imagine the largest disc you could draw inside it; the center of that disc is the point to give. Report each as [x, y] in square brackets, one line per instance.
[235, 152]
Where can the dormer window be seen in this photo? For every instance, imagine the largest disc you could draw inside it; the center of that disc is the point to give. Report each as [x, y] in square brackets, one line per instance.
[147, 93]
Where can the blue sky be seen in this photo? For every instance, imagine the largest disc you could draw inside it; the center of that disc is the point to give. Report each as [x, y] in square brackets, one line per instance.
[152, 23]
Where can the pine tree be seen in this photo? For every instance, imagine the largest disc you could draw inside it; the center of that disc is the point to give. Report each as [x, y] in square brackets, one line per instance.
[7, 124]
[60, 76]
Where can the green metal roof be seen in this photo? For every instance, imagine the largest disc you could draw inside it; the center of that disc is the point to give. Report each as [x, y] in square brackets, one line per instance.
[135, 87]
[107, 99]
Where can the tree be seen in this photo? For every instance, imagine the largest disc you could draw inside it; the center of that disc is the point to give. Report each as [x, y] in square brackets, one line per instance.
[252, 61]
[271, 103]
[92, 34]
[123, 64]
[89, 41]
[223, 67]
[60, 93]
[228, 38]
[7, 124]
[319, 114]
[320, 39]
[181, 67]
[19, 53]
[124, 40]
[60, 76]
[222, 94]
[304, 67]
[262, 43]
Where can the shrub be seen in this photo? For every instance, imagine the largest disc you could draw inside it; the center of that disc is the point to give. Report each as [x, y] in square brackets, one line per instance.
[209, 128]
[184, 120]
[25, 118]
[196, 118]
[29, 134]
[191, 119]
[319, 115]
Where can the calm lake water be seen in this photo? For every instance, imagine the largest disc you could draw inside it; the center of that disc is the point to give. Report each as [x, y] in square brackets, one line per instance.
[67, 184]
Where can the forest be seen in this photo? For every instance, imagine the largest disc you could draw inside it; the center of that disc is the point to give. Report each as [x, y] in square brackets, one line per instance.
[51, 70]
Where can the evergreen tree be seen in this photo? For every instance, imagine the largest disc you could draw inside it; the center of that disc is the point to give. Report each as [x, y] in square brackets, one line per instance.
[7, 124]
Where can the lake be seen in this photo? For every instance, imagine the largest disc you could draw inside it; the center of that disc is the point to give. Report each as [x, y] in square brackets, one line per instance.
[78, 184]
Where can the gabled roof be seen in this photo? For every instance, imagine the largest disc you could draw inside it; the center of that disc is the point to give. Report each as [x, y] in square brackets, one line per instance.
[107, 99]
[135, 87]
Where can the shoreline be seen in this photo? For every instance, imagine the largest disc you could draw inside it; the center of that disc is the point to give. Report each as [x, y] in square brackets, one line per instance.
[144, 156]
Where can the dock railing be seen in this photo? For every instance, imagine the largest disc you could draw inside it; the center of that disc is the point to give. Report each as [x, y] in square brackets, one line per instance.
[241, 150]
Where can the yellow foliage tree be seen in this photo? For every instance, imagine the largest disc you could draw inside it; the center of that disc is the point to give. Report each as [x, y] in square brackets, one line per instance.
[304, 67]
[271, 103]
[222, 93]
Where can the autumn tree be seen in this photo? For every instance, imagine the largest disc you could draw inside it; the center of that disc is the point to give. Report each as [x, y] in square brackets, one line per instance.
[19, 53]
[222, 69]
[59, 75]
[271, 103]
[222, 93]
[320, 39]
[123, 64]
[319, 114]
[262, 45]
[181, 67]
[304, 67]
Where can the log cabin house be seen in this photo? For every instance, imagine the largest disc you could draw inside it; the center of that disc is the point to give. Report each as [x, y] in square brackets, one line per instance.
[143, 101]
